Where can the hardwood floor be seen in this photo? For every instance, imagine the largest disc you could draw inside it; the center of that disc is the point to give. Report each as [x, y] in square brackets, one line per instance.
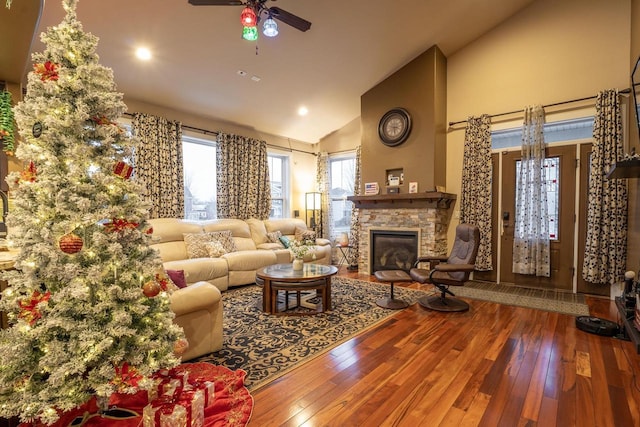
[495, 365]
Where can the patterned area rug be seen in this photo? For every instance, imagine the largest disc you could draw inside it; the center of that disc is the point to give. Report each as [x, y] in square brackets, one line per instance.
[547, 300]
[267, 346]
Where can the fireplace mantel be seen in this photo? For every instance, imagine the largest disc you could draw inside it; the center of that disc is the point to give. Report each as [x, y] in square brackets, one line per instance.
[404, 200]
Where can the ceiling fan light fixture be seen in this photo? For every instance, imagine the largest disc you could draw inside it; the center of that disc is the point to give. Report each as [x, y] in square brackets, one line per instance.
[250, 33]
[270, 27]
[248, 17]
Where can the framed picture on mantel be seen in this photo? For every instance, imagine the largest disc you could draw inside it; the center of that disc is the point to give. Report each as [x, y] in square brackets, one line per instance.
[413, 187]
[371, 188]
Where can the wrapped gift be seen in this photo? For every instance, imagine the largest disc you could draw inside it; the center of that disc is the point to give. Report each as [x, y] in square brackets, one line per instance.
[184, 409]
[164, 412]
[167, 382]
[193, 401]
[207, 387]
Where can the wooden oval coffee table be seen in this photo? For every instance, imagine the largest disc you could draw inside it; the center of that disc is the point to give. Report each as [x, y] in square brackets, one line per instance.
[283, 277]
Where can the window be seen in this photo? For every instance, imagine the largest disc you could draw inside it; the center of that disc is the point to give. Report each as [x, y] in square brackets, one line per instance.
[342, 172]
[199, 164]
[566, 130]
[552, 179]
[279, 179]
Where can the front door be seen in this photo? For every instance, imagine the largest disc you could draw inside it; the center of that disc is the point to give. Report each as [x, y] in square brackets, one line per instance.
[561, 164]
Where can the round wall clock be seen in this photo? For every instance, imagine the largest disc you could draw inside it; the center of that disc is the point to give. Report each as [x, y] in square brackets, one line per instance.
[394, 127]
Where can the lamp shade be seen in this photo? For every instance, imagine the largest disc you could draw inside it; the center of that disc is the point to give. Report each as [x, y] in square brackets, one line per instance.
[270, 27]
[250, 33]
[248, 17]
[313, 201]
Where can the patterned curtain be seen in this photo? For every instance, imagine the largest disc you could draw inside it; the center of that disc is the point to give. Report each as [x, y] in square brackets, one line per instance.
[605, 255]
[354, 238]
[475, 201]
[158, 162]
[323, 184]
[243, 188]
[531, 245]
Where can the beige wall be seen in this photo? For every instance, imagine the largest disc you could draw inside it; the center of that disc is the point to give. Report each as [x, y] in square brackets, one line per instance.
[303, 162]
[549, 52]
[420, 87]
[344, 139]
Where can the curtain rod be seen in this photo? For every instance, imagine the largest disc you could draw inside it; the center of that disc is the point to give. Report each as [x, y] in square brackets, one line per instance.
[214, 133]
[555, 104]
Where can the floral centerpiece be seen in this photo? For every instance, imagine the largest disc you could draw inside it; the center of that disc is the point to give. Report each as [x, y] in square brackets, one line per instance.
[299, 248]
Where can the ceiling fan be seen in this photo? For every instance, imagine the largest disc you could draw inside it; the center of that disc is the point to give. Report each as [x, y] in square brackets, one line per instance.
[259, 8]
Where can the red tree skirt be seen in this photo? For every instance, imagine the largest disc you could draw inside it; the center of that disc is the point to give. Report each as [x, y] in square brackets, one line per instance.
[232, 406]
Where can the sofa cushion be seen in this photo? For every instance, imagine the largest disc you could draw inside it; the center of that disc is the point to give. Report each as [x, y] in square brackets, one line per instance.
[285, 241]
[287, 226]
[274, 236]
[249, 260]
[195, 243]
[199, 269]
[304, 235]
[177, 277]
[215, 249]
[225, 238]
[238, 228]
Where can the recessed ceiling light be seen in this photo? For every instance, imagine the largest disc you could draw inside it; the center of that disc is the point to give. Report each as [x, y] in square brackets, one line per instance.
[143, 53]
[303, 111]
[255, 78]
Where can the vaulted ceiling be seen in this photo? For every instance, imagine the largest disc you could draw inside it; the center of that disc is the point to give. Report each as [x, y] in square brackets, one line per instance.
[198, 51]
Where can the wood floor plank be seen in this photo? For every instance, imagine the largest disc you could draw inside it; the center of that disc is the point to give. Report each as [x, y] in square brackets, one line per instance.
[493, 365]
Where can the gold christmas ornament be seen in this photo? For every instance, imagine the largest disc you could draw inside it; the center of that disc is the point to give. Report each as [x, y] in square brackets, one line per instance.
[180, 346]
[151, 289]
[70, 243]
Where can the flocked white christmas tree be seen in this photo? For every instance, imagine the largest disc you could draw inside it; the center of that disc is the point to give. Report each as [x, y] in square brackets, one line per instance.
[85, 306]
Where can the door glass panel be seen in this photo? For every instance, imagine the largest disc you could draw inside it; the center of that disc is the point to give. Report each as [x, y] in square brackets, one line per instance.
[552, 176]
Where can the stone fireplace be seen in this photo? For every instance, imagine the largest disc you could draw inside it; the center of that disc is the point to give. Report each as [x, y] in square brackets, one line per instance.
[425, 214]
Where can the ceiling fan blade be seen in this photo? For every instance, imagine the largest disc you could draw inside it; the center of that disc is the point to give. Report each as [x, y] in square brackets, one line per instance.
[216, 2]
[289, 18]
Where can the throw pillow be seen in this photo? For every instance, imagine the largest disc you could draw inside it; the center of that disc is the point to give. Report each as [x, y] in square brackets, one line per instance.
[285, 241]
[225, 238]
[166, 283]
[195, 243]
[305, 236]
[177, 277]
[274, 237]
[215, 249]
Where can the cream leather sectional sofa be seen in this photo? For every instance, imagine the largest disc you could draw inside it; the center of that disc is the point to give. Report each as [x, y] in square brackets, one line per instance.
[198, 307]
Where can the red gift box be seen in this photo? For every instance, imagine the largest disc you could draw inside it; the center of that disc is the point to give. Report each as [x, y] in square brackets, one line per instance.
[123, 170]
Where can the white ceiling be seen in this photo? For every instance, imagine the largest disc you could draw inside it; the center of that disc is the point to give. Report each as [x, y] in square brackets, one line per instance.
[352, 45]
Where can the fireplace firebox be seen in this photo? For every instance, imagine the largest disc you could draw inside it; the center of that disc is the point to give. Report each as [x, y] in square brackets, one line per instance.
[393, 249]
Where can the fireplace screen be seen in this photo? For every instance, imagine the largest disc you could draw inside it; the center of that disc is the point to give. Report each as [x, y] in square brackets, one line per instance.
[393, 250]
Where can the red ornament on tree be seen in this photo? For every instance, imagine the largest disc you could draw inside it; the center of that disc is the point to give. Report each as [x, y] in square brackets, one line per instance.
[47, 71]
[70, 243]
[151, 289]
[123, 170]
[29, 173]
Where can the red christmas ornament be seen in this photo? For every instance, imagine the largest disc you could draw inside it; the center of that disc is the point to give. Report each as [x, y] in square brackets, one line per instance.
[119, 224]
[29, 307]
[29, 174]
[151, 289]
[70, 243]
[180, 346]
[47, 71]
[123, 170]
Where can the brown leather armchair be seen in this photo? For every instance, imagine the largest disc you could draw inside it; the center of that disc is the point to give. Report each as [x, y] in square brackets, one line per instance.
[453, 270]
